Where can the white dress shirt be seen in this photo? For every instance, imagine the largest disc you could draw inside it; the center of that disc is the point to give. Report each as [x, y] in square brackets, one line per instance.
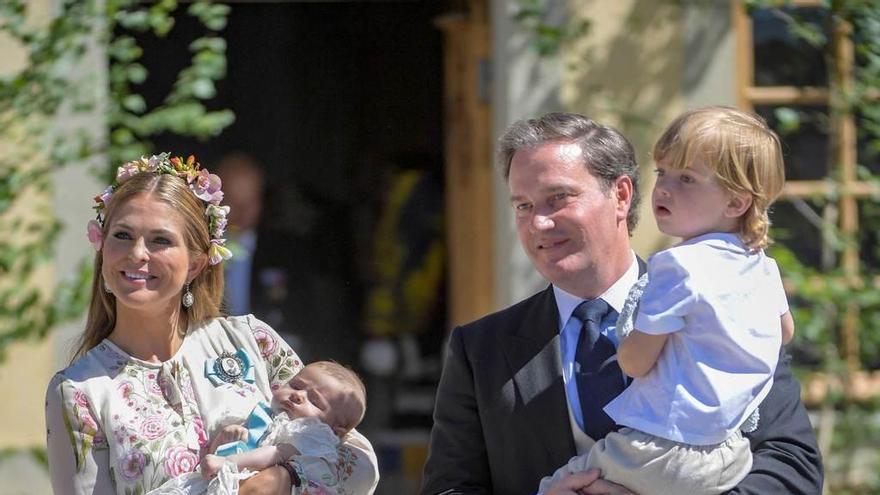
[569, 331]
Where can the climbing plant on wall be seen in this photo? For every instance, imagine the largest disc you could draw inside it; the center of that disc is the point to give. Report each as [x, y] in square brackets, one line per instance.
[81, 66]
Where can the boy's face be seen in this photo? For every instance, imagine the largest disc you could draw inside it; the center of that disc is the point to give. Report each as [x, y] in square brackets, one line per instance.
[313, 394]
[691, 202]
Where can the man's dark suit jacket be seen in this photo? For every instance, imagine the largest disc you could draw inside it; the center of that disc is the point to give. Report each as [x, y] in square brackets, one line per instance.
[501, 416]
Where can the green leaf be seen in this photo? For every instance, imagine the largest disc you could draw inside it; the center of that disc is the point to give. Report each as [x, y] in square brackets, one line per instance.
[789, 120]
[134, 103]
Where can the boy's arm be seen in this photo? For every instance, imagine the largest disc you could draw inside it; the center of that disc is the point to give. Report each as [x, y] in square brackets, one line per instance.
[638, 353]
[787, 327]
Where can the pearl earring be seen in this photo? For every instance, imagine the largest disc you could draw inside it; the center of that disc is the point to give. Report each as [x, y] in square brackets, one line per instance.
[188, 298]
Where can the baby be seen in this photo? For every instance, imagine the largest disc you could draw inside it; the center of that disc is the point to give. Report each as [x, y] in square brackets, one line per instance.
[311, 412]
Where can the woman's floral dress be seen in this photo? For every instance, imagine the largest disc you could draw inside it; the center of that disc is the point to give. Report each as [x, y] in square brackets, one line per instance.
[117, 424]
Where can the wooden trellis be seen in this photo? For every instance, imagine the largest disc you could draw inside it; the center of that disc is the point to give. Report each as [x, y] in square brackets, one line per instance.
[841, 196]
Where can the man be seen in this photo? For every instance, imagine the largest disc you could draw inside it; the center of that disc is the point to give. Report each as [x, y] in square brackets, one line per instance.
[515, 402]
[257, 275]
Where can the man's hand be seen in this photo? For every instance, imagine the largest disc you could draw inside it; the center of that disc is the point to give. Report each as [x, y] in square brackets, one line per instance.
[586, 482]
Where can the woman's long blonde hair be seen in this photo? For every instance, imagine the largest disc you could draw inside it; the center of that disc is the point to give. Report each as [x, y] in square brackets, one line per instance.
[206, 287]
[741, 149]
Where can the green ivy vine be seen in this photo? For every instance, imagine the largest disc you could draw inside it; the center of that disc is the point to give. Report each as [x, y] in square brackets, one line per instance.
[39, 109]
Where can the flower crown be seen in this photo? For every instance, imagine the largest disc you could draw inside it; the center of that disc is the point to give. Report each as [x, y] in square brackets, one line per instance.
[205, 185]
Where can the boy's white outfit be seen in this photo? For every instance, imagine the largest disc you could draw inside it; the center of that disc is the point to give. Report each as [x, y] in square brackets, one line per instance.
[720, 305]
[310, 436]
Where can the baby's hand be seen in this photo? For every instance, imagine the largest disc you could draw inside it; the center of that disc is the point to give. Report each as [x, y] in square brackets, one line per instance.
[210, 465]
[232, 433]
[229, 433]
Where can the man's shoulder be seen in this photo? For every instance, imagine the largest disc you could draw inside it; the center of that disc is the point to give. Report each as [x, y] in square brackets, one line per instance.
[509, 318]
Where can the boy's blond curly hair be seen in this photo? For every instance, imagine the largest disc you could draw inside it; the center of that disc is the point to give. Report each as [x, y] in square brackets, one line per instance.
[741, 149]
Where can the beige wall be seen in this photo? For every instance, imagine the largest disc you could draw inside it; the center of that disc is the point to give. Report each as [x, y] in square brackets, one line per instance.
[29, 366]
[627, 72]
[642, 63]
[23, 373]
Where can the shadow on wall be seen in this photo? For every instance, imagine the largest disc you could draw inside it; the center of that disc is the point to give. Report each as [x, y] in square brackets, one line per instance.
[637, 73]
[657, 54]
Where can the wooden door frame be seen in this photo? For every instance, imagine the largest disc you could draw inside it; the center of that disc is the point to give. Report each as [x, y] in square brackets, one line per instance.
[469, 172]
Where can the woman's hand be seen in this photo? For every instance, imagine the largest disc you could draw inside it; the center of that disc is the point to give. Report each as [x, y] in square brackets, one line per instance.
[270, 481]
[586, 482]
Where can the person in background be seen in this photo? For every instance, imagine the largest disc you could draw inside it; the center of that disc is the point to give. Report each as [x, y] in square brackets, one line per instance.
[523, 389]
[157, 364]
[258, 276]
[243, 178]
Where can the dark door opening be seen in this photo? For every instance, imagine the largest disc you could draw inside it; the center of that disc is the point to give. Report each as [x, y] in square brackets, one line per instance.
[342, 105]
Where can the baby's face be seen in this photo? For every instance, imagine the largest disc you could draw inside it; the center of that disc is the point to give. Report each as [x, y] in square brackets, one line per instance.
[311, 394]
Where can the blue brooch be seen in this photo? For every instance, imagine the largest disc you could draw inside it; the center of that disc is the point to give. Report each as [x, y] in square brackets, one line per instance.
[230, 368]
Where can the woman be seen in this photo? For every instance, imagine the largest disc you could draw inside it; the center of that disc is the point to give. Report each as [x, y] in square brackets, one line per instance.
[157, 367]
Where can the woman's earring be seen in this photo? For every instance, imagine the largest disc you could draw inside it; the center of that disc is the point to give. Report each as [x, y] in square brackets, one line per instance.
[107, 288]
[188, 298]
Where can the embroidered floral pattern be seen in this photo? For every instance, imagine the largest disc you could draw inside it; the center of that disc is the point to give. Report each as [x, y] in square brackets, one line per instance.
[265, 342]
[148, 418]
[131, 465]
[281, 362]
[180, 460]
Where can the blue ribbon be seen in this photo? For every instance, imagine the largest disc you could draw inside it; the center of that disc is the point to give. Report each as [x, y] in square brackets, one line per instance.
[257, 423]
[218, 375]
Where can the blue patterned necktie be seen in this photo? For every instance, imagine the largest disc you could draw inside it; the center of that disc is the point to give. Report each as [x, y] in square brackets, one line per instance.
[599, 379]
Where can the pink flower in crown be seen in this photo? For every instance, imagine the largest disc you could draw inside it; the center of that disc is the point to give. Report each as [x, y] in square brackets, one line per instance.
[153, 427]
[180, 460]
[265, 342]
[95, 234]
[199, 427]
[218, 252]
[217, 216]
[81, 399]
[127, 171]
[105, 196]
[206, 187]
[152, 163]
[131, 465]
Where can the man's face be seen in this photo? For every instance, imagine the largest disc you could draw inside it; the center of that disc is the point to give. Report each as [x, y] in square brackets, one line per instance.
[243, 196]
[568, 225]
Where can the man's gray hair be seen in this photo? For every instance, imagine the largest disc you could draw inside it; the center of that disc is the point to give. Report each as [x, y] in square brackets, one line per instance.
[606, 152]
